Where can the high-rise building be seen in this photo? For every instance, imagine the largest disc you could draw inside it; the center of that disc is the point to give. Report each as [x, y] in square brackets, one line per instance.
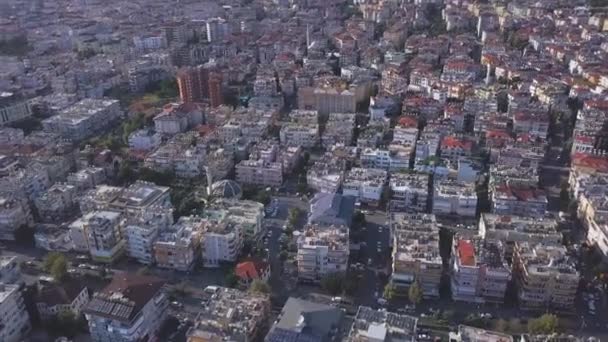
[199, 83]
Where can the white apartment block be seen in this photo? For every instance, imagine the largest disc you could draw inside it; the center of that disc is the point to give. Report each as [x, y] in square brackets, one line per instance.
[176, 118]
[392, 160]
[454, 198]
[57, 203]
[142, 231]
[10, 271]
[87, 178]
[14, 213]
[84, 119]
[102, 232]
[339, 129]
[479, 271]
[178, 246]
[365, 184]
[299, 134]
[14, 319]
[409, 192]
[322, 250]
[144, 140]
[416, 256]
[546, 276]
[221, 242]
[55, 299]
[248, 215]
[130, 308]
[259, 172]
[325, 176]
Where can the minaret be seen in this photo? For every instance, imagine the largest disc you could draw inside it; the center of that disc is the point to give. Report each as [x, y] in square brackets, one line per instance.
[307, 37]
[209, 180]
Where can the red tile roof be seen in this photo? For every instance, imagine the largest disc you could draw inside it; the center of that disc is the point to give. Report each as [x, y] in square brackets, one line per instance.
[450, 142]
[585, 160]
[251, 269]
[466, 252]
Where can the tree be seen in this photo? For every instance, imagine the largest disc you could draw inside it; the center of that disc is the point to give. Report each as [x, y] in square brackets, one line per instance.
[332, 283]
[389, 291]
[260, 287]
[59, 268]
[415, 293]
[545, 324]
[358, 219]
[231, 280]
[57, 265]
[502, 325]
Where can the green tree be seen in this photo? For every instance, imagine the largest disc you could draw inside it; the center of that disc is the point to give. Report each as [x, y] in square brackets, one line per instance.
[414, 293]
[294, 214]
[502, 325]
[545, 324]
[389, 291]
[358, 219]
[59, 268]
[231, 280]
[258, 286]
[332, 283]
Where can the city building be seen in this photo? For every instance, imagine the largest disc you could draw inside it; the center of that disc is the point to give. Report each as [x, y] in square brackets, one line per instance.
[221, 242]
[52, 237]
[322, 250]
[302, 320]
[57, 203]
[512, 229]
[480, 272]
[252, 269]
[259, 172]
[14, 319]
[546, 276]
[14, 213]
[10, 271]
[471, 334]
[200, 83]
[331, 209]
[131, 308]
[229, 315]
[84, 119]
[381, 325]
[416, 257]
[178, 247]
[409, 192]
[367, 185]
[144, 140]
[87, 178]
[520, 200]
[142, 231]
[451, 197]
[178, 117]
[54, 299]
[99, 233]
[339, 129]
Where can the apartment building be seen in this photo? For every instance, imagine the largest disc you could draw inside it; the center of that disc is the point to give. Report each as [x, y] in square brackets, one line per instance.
[221, 242]
[259, 172]
[57, 203]
[178, 117]
[305, 135]
[141, 196]
[479, 271]
[394, 159]
[14, 213]
[10, 271]
[52, 237]
[131, 308]
[452, 197]
[416, 257]
[248, 215]
[512, 229]
[545, 275]
[142, 231]
[367, 185]
[322, 250]
[104, 234]
[87, 178]
[521, 200]
[99, 198]
[470, 334]
[84, 119]
[409, 192]
[55, 299]
[230, 315]
[382, 325]
[144, 140]
[13, 315]
[339, 129]
[325, 175]
[178, 247]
